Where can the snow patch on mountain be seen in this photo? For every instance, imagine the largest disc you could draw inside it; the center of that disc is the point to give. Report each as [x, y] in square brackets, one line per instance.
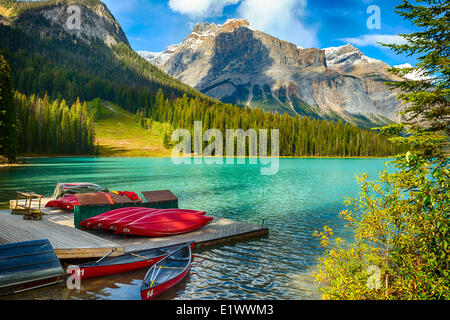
[413, 75]
[159, 58]
[347, 56]
[202, 32]
[148, 55]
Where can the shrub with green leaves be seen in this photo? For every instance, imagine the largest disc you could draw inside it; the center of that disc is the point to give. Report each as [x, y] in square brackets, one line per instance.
[400, 223]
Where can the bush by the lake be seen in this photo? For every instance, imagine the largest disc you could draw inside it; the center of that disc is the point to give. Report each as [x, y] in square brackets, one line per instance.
[401, 222]
[402, 235]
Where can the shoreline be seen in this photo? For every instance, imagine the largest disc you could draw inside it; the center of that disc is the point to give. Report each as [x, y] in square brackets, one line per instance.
[20, 163]
[246, 157]
[16, 164]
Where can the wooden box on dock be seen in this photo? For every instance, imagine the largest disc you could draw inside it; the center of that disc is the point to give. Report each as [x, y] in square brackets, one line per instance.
[161, 199]
[92, 205]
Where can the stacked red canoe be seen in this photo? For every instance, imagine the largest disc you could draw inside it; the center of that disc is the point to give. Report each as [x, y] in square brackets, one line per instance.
[68, 202]
[147, 221]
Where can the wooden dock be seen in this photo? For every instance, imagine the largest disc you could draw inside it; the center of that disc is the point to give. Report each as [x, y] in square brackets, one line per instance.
[70, 243]
[218, 231]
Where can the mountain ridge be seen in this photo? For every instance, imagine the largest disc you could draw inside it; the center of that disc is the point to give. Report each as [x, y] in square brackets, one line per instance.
[96, 19]
[48, 61]
[235, 63]
[46, 57]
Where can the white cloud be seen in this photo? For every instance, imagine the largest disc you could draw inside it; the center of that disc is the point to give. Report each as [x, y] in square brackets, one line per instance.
[373, 39]
[281, 18]
[200, 8]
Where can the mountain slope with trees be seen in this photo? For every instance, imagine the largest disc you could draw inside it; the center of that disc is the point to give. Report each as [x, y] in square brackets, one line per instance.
[47, 58]
[56, 64]
[239, 64]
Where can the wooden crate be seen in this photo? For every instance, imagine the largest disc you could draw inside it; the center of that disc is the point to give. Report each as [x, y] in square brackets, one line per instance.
[93, 205]
[161, 199]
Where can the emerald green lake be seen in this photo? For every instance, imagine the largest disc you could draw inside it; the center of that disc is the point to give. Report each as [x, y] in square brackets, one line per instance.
[302, 197]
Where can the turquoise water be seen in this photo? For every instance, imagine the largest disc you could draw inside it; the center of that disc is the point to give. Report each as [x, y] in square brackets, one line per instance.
[302, 197]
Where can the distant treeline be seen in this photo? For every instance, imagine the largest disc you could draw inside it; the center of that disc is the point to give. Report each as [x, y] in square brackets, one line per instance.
[299, 136]
[52, 127]
[7, 115]
[33, 125]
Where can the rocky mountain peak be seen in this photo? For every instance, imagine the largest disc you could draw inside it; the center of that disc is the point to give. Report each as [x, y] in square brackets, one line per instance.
[238, 64]
[415, 75]
[208, 29]
[232, 24]
[349, 59]
[159, 58]
[201, 33]
[204, 31]
[96, 19]
[348, 48]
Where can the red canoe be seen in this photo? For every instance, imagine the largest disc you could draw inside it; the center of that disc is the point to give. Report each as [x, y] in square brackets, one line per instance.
[127, 262]
[111, 220]
[88, 223]
[68, 202]
[164, 224]
[167, 272]
[134, 213]
[114, 225]
[108, 222]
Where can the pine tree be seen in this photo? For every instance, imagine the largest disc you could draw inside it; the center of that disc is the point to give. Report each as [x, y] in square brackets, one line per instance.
[427, 102]
[8, 134]
[401, 223]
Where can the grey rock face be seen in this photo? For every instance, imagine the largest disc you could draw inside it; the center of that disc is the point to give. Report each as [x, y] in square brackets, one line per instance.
[96, 22]
[238, 64]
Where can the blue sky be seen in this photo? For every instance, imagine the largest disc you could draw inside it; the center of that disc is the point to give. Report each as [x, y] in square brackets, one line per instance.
[152, 25]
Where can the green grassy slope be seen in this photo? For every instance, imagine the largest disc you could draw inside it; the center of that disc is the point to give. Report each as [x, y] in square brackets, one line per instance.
[118, 135]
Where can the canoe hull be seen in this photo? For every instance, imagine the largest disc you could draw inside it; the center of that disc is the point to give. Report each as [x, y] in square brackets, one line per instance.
[68, 202]
[28, 265]
[152, 293]
[160, 225]
[120, 264]
[114, 219]
[90, 223]
[121, 227]
[115, 222]
[149, 292]
[99, 271]
[154, 232]
[20, 287]
[104, 223]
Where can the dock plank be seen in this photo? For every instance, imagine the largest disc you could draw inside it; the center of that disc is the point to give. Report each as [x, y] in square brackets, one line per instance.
[68, 242]
[71, 243]
[219, 231]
